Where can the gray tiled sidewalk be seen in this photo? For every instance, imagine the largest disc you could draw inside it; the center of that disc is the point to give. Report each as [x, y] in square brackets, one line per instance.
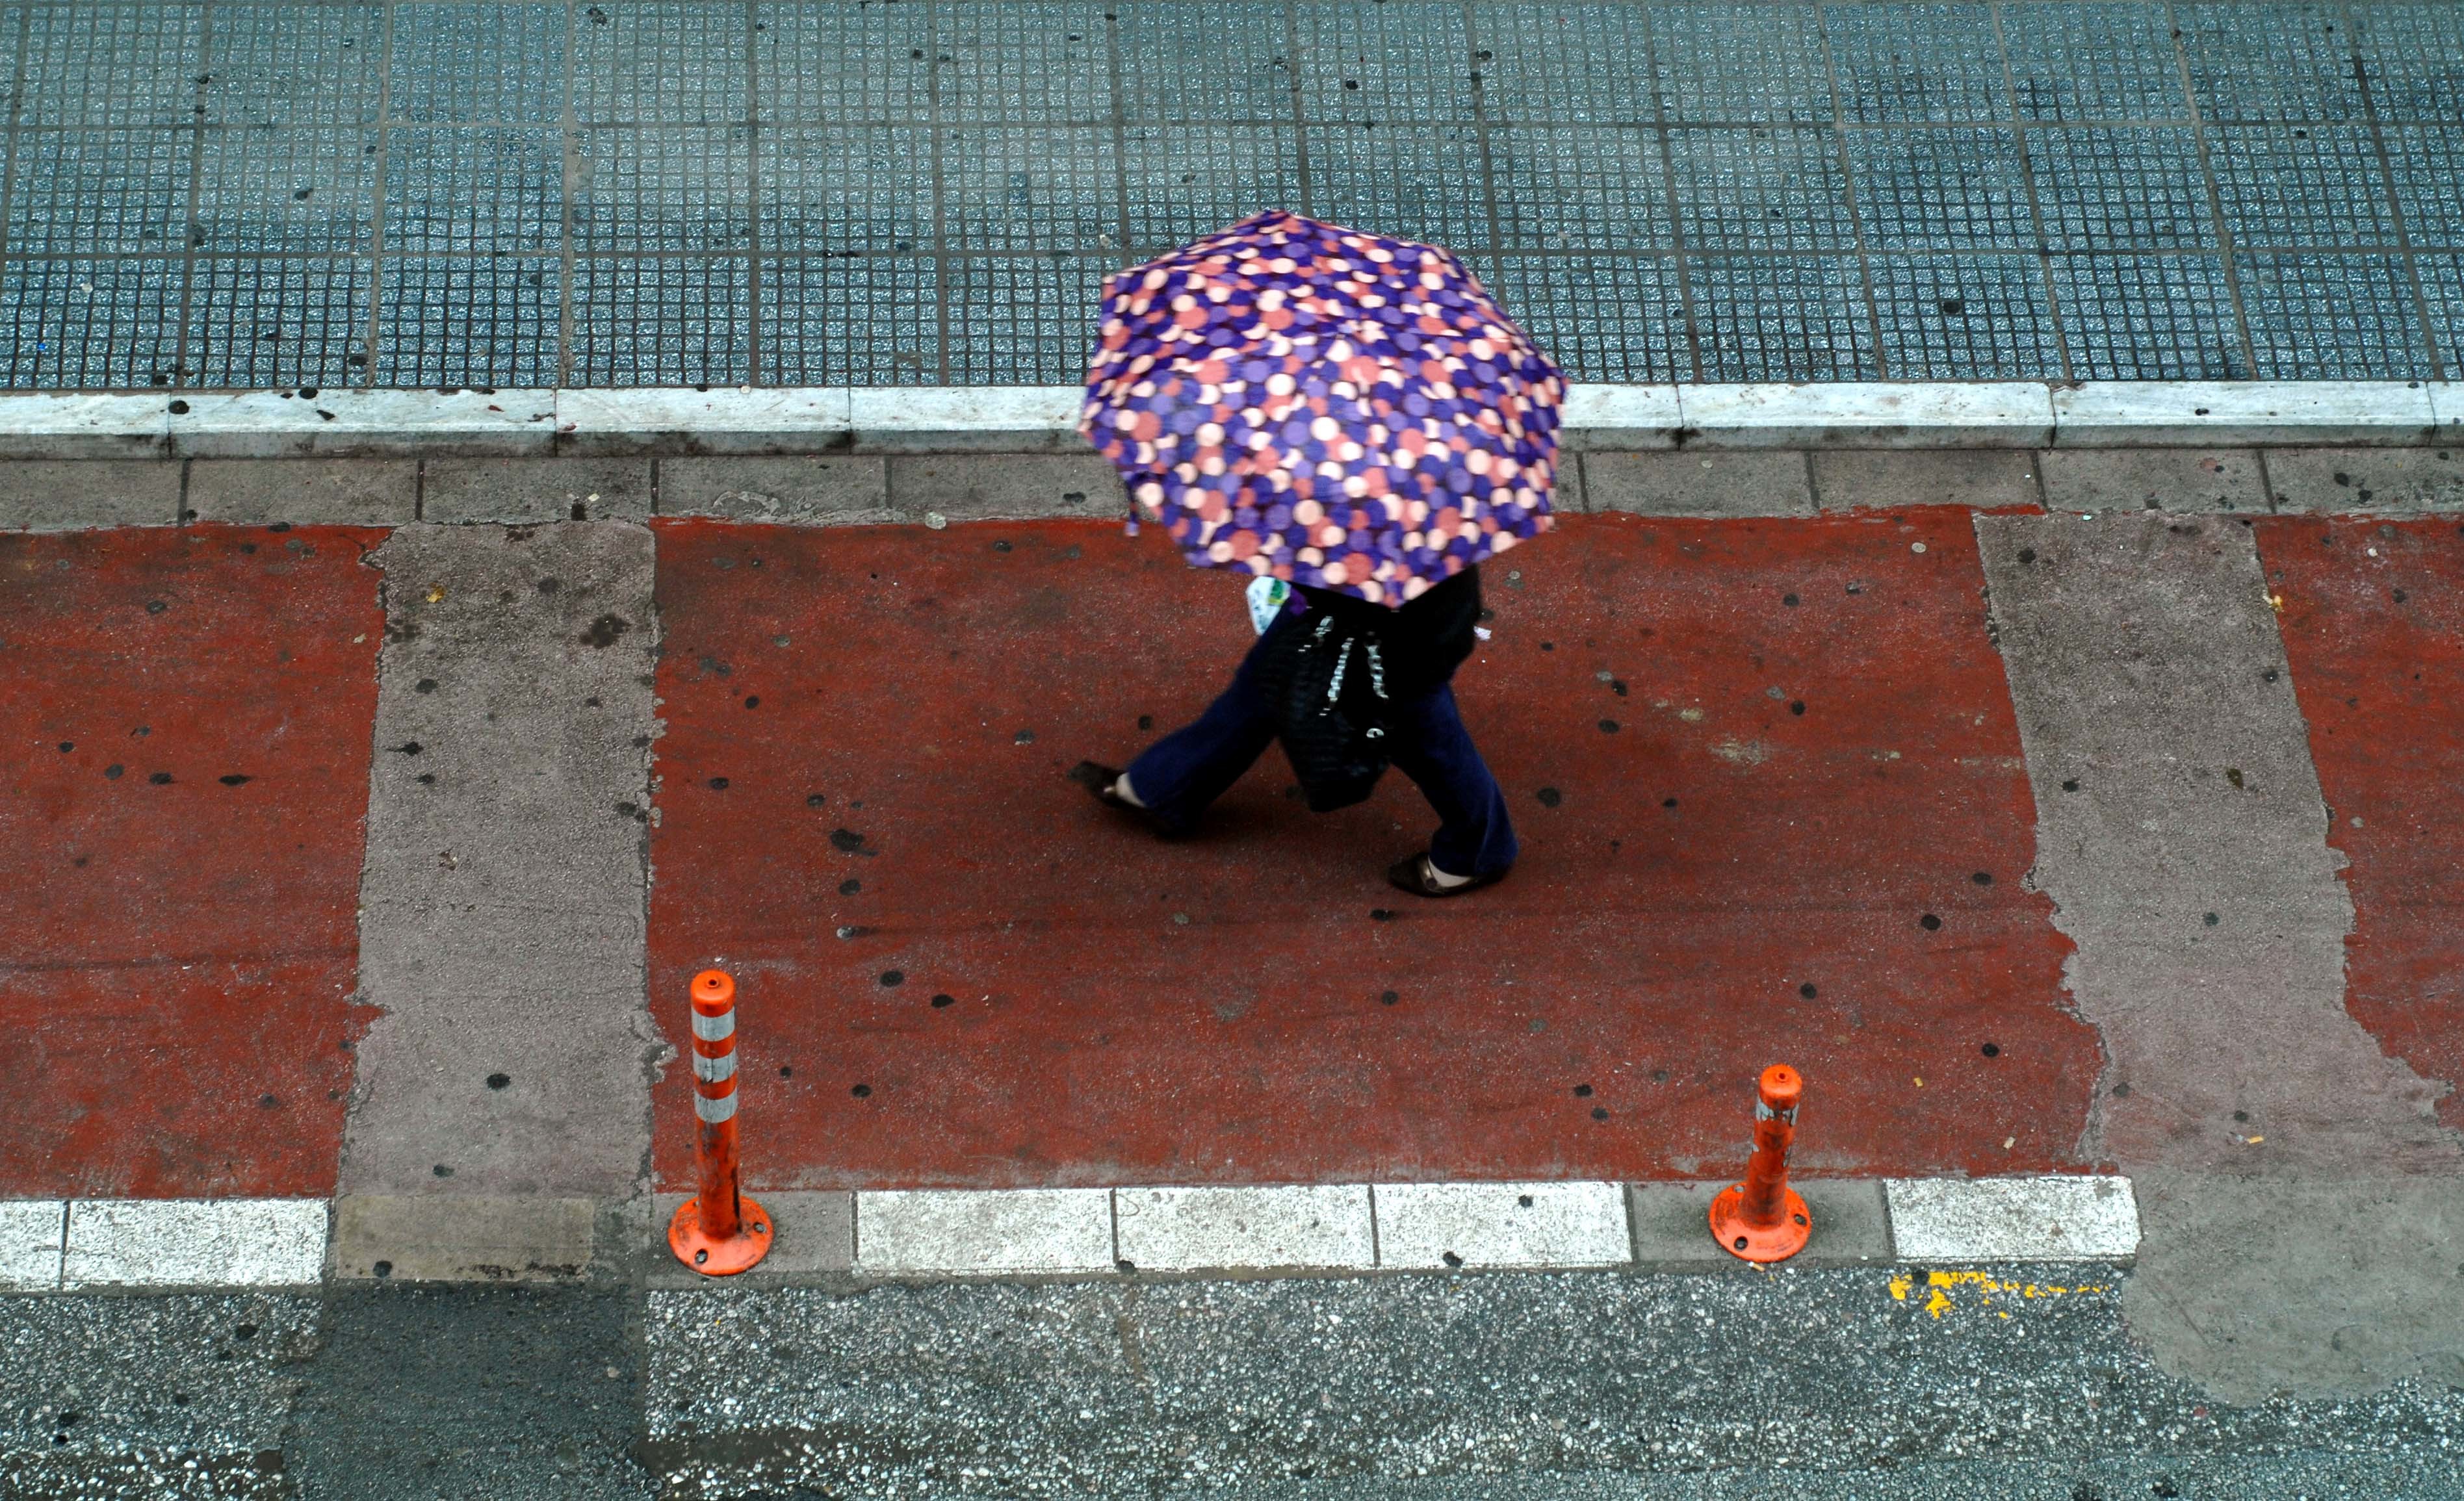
[925, 192]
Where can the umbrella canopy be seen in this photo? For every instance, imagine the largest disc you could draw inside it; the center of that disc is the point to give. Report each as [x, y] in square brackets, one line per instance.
[1317, 404]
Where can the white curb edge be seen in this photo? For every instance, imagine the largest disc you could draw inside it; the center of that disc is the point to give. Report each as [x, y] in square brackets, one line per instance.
[51, 1245]
[751, 419]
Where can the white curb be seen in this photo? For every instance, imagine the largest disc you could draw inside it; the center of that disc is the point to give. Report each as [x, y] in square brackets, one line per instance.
[46, 1244]
[2013, 1219]
[913, 420]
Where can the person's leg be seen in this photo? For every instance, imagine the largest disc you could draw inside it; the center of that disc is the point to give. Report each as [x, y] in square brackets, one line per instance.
[1475, 839]
[1177, 776]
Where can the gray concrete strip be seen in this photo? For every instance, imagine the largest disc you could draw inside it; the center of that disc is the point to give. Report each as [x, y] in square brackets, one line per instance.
[2154, 479]
[1686, 482]
[838, 489]
[502, 899]
[690, 420]
[307, 492]
[2182, 835]
[815, 1238]
[1011, 486]
[2395, 481]
[74, 494]
[1672, 1226]
[523, 490]
[2113, 414]
[461, 1238]
[1885, 479]
[1869, 414]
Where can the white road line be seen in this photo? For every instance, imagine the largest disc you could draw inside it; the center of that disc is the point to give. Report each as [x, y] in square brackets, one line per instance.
[2013, 1219]
[194, 1241]
[807, 420]
[1207, 1230]
[31, 1231]
[1475, 1224]
[962, 1233]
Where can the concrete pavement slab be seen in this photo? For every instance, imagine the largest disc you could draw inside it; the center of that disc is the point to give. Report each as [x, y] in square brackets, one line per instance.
[194, 1241]
[2388, 481]
[1446, 1226]
[535, 490]
[1004, 487]
[2154, 479]
[68, 425]
[1299, 1226]
[1870, 479]
[347, 492]
[31, 1231]
[462, 1238]
[815, 1236]
[1701, 484]
[181, 841]
[72, 494]
[1870, 414]
[838, 489]
[941, 1233]
[2044, 1218]
[501, 903]
[1672, 1222]
[2195, 414]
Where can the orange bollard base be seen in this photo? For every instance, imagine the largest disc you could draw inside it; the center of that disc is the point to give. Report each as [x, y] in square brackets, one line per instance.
[710, 1254]
[1765, 1243]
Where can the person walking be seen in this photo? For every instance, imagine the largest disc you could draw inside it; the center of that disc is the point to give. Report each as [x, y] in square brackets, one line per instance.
[1351, 420]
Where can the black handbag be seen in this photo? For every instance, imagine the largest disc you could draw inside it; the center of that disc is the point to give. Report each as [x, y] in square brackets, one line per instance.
[1325, 683]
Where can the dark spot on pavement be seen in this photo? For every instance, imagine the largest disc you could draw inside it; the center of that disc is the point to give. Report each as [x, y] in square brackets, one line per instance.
[2210, 920]
[2071, 785]
[2233, 775]
[267, 1102]
[1387, 997]
[893, 979]
[2122, 1092]
[1146, 721]
[940, 1001]
[111, 773]
[718, 784]
[1992, 1050]
[1608, 727]
[1549, 797]
[382, 1270]
[849, 841]
[1582, 1092]
[1808, 991]
[1599, 1113]
[234, 779]
[1929, 922]
[442, 1171]
[155, 607]
[1024, 737]
[851, 887]
[605, 630]
[1450, 1259]
[861, 1091]
[499, 1080]
[1669, 802]
[1382, 914]
[548, 586]
[160, 778]
[1796, 706]
[1789, 600]
[424, 685]
[409, 747]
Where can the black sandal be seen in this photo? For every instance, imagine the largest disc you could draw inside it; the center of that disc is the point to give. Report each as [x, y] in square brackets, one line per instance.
[1416, 875]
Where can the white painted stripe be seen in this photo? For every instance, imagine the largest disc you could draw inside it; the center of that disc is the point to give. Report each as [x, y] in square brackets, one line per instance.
[30, 1243]
[711, 1029]
[1502, 1225]
[714, 1111]
[747, 420]
[713, 1071]
[2013, 1219]
[959, 1233]
[1204, 1230]
[194, 1241]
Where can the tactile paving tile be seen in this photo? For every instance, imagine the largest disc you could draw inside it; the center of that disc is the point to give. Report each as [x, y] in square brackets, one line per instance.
[2332, 318]
[1585, 187]
[1417, 182]
[1248, 74]
[277, 321]
[2412, 52]
[2092, 61]
[1183, 181]
[463, 320]
[2148, 317]
[2121, 188]
[110, 65]
[663, 188]
[83, 325]
[2442, 288]
[1030, 188]
[1564, 64]
[851, 321]
[1404, 60]
[853, 63]
[1897, 63]
[1965, 318]
[458, 62]
[2300, 184]
[100, 191]
[284, 187]
[664, 320]
[1941, 189]
[1769, 318]
[295, 64]
[2270, 62]
[676, 62]
[1765, 188]
[843, 188]
[2429, 167]
[1711, 70]
[474, 189]
[1022, 61]
[1602, 318]
[1021, 320]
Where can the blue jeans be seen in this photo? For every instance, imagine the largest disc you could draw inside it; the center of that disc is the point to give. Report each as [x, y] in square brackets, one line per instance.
[1181, 773]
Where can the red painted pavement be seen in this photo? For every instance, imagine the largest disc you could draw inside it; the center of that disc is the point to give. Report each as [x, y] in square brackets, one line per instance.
[2374, 625]
[1122, 1010]
[175, 952]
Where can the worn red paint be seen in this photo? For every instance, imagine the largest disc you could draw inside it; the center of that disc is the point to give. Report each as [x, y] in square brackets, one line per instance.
[176, 955]
[2373, 624]
[1123, 1010]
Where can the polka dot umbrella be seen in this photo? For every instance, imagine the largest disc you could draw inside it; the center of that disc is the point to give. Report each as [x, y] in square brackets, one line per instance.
[1325, 406]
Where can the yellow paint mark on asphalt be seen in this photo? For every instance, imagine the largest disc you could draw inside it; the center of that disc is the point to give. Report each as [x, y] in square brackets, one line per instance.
[1985, 1286]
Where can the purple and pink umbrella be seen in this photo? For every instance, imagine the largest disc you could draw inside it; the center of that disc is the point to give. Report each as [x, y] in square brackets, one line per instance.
[1317, 404]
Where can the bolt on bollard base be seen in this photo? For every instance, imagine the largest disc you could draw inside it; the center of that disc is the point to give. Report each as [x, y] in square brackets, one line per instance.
[1763, 1219]
[721, 1229]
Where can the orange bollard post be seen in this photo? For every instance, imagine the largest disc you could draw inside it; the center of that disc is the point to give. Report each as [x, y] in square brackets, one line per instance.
[721, 1230]
[1762, 1219]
